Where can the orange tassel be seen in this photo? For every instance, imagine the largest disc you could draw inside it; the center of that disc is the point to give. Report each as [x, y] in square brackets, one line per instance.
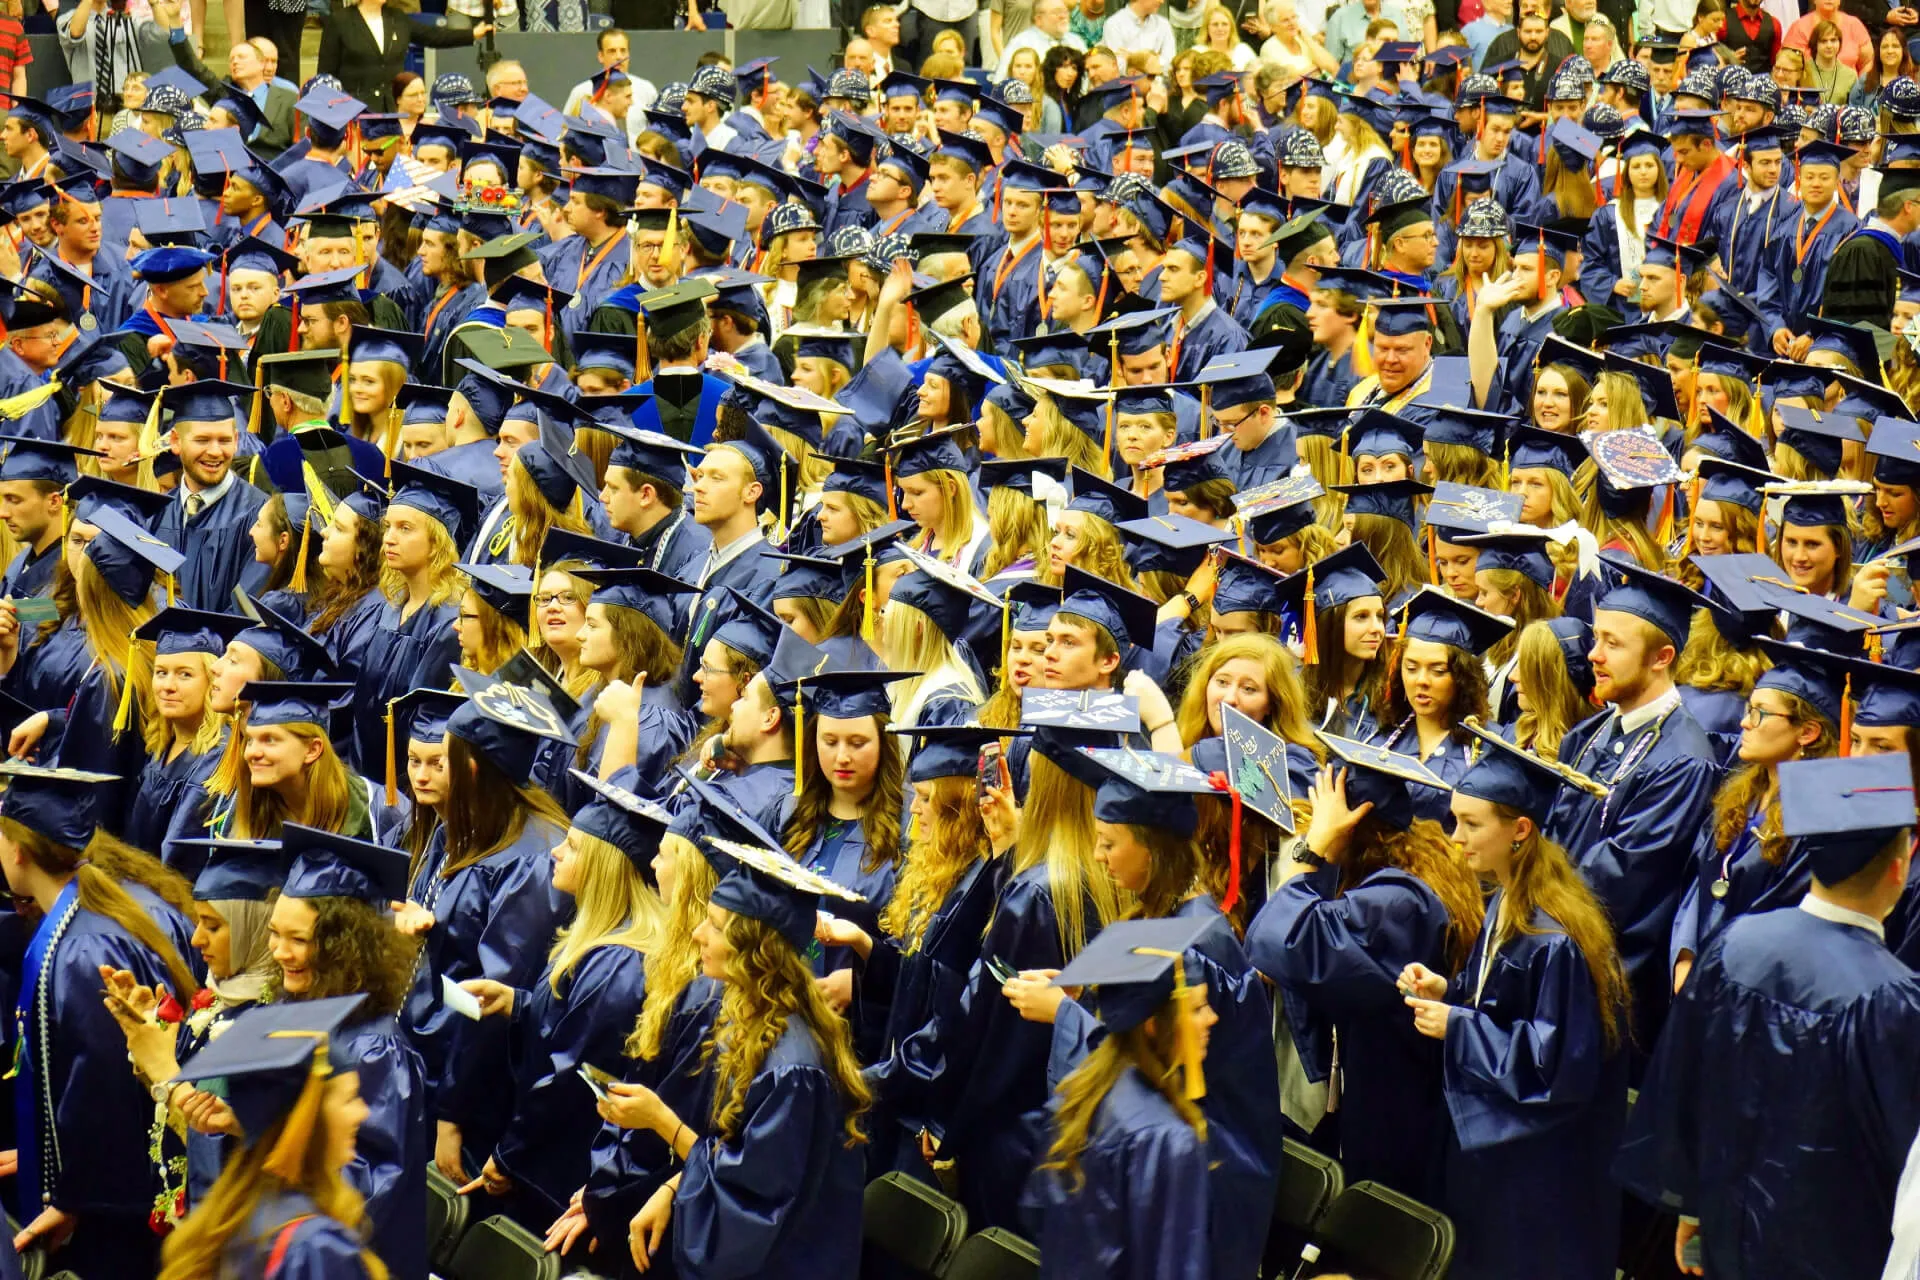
[393, 768]
[1846, 716]
[1309, 628]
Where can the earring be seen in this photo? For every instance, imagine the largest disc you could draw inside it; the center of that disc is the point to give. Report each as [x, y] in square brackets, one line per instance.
[1514, 847]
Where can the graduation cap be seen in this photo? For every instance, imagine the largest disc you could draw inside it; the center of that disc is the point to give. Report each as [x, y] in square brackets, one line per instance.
[768, 886]
[1631, 460]
[680, 306]
[1171, 543]
[1654, 598]
[1515, 777]
[1394, 498]
[168, 263]
[1131, 972]
[507, 589]
[507, 723]
[1381, 777]
[454, 505]
[1894, 444]
[849, 695]
[1239, 378]
[1278, 510]
[1439, 617]
[1814, 503]
[1722, 481]
[1813, 675]
[327, 865]
[630, 823]
[645, 591]
[236, 870]
[1818, 437]
[1856, 342]
[1099, 497]
[1246, 585]
[1457, 509]
[56, 803]
[266, 1065]
[127, 556]
[32, 458]
[948, 750]
[1844, 812]
[1125, 615]
[1147, 789]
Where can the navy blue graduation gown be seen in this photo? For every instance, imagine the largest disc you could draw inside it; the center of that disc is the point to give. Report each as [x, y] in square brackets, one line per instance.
[850, 208]
[494, 919]
[571, 265]
[1781, 1100]
[218, 546]
[1746, 235]
[1011, 285]
[1752, 884]
[761, 362]
[665, 730]
[447, 312]
[1635, 847]
[783, 1196]
[1329, 382]
[1803, 248]
[82, 736]
[1272, 459]
[548, 1142]
[911, 995]
[1336, 961]
[1242, 1103]
[763, 791]
[395, 1144]
[170, 801]
[1719, 712]
[1519, 341]
[48, 671]
[398, 656]
[1213, 333]
[627, 1165]
[288, 1226]
[30, 574]
[1250, 297]
[842, 861]
[992, 1120]
[1140, 1211]
[81, 1116]
[1536, 1102]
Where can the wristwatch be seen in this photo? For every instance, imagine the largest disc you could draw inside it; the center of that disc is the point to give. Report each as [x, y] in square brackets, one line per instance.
[1193, 601]
[1301, 852]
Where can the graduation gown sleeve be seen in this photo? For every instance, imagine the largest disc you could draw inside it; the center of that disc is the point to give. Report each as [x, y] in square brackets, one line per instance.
[392, 1151]
[783, 1196]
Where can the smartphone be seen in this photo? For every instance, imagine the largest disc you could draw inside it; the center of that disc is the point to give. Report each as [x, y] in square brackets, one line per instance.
[1899, 583]
[597, 1080]
[993, 767]
[999, 970]
[34, 610]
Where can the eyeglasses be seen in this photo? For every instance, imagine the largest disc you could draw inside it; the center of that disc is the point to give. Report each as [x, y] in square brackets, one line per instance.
[469, 617]
[708, 669]
[553, 599]
[1224, 425]
[1756, 715]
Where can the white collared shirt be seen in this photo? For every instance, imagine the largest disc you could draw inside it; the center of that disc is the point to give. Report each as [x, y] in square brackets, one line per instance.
[1837, 914]
[1639, 718]
[209, 495]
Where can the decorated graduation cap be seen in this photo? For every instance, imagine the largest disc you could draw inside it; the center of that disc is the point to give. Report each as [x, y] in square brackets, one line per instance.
[454, 505]
[1439, 617]
[1147, 789]
[1246, 585]
[1460, 509]
[1381, 777]
[768, 886]
[1844, 812]
[506, 723]
[1629, 462]
[1278, 510]
[1814, 503]
[944, 593]
[1183, 466]
[55, 803]
[1654, 598]
[327, 865]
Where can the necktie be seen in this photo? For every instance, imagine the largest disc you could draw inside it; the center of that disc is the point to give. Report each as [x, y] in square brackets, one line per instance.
[195, 505]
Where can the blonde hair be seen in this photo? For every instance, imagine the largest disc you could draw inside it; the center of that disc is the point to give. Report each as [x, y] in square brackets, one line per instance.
[442, 567]
[1714, 664]
[1626, 407]
[957, 513]
[1150, 1050]
[501, 636]
[1056, 829]
[674, 961]
[1061, 439]
[1102, 553]
[534, 517]
[1554, 703]
[1286, 695]
[260, 814]
[769, 984]
[613, 907]
[109, 623]
[949, 840]
[1018, 527]
[909, 641]
[159, 732]
[1532, 603]
[392, 378]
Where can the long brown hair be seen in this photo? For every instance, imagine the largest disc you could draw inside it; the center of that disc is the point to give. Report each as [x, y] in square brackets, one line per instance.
[880, 819]
[334, 597]
[1326, 680]
[1543, 879]
[1469, 691]
[356, 951]
[486, 811]
[99, 871]
[644, 649]
[1554, 703]
[768, 984]
[535, 517]
[259, 813]
[1424, 852]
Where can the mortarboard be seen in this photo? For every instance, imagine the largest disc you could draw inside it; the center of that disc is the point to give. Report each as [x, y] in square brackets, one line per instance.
[630, 823]
[1654, 598]
[506, 723]
[1437, 616]
[264, 1063]
[1380, 777]
[326, 865]
[1843, 812]
[454, 505]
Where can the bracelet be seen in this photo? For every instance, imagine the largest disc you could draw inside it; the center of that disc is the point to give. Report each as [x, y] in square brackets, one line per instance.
[675, 1144]
[1153, 729]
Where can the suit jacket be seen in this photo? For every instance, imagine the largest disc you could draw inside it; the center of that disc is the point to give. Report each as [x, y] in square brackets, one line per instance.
[347, 50]
[276, 135]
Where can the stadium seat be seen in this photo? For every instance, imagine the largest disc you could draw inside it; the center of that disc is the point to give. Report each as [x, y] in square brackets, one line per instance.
[499, 1248]
[993, 1254]
[910, 1229]
[1373, 1231]
[447, 1212]
[1309, 1182]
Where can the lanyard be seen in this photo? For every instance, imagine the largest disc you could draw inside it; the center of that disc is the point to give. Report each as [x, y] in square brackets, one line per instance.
[1802, 244]
[588, 268]
[962, 221]
[439, 306]
[1008, 263]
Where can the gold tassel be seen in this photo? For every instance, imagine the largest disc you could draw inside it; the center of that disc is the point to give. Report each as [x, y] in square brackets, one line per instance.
[1309, 631]
[867, 606]
[299, 580]
[1363, 345]
[259, 394]
[393, 767]
[287, 1161]
[799, 732]
[1846, 716]
[123, 714]
[670, 252]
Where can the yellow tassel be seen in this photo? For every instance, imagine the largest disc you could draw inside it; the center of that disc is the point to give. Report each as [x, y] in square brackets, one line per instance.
[123, 714]
[533, 602]
[170, 589]
[1756, 417]
[1363, 345]
[299, 580]
[394, 417]
[393, 764]
[799, 732]
[253, 414]
[1846, 716]
[1006, 636]
[1309, 630]
[670, 252]
[288, 1159]
[1206, 410]
[867, 609]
